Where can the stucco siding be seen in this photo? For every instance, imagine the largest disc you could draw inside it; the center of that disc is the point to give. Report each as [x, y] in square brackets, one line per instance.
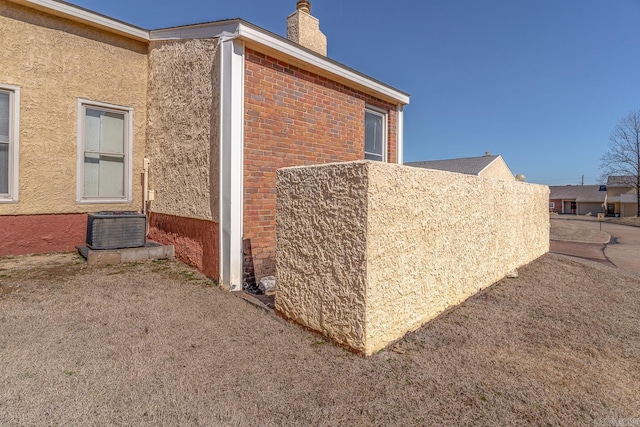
[55, 63]
[184, 94]
[498, 169]
[420, 259]
[321, 253]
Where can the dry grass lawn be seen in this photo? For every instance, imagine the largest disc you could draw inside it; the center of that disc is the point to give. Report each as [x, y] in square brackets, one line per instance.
[155, 344]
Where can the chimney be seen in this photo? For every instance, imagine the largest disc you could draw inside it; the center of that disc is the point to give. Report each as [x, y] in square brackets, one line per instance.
[304, 29]
[487, 154]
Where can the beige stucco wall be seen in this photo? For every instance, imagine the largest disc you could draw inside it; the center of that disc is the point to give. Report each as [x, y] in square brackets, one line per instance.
[321, 254]
[420, 258]
[183, 140]
[55, 62]
[498, 169]
[616, 191]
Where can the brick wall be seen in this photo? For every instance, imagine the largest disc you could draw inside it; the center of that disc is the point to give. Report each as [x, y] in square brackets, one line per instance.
[558, 205]
[293, 117]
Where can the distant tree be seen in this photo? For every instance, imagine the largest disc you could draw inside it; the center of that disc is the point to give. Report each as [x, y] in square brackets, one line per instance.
[623, 157]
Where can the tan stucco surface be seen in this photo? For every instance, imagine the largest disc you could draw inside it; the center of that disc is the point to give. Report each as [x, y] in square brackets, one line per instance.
[433, 238]
[498, 169]
[184, 88]
[320, 254]
[304, 29]
[55, 62]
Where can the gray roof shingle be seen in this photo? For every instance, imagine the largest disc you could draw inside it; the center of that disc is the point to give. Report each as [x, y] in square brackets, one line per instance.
[579, 193]
[621, 181]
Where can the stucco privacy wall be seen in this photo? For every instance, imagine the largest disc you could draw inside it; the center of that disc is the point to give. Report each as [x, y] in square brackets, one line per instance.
[293, 117]
[385, 253]
[183, 141]
[55, 62]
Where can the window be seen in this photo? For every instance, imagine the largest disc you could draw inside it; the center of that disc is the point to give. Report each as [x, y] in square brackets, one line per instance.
[375, 135]
[9, 134]
[552, 205]
[104, 153]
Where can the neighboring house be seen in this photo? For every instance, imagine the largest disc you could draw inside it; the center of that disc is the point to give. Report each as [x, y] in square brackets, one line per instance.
[217, 108]
[622, 198]
[576, 199]
[487, 166]
[617, 198]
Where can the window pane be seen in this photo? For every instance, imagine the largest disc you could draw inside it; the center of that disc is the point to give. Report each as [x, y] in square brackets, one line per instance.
[4, 168]
[112, 140]
[4, 116]
[373, 133]
[369, 156]
[92, 130]
[111, 176]
[91, 174]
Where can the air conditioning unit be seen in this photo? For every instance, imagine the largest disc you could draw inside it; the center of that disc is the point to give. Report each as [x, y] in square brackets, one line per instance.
[116, 230]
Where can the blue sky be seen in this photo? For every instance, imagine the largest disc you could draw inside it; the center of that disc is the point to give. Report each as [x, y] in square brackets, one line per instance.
[541, 82]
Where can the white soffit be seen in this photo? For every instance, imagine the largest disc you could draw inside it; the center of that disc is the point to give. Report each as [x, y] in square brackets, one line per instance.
[293, 54]
[87, 17]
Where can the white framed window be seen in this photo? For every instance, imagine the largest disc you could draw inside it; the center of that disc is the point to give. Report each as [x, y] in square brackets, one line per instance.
[9, 142]
[375, 134]
[552, 205]
[105, 140]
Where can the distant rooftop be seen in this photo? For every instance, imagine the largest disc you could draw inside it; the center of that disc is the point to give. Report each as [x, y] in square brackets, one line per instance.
[466, 165]
[621, 181]
[579, 193]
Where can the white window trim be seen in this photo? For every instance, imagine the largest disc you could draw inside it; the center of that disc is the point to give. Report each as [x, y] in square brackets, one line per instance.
[385, 132]
[552, 205]
[128, 169]
[14, 144]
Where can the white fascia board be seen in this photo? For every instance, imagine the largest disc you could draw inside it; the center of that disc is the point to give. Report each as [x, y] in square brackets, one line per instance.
[306, 58]
[198, 31]
[279, 48]
[400, 135]
[84, 16]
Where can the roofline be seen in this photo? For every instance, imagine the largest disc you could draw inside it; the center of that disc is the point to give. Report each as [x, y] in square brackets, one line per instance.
[499, 156]
[85, 16]
[281, 48]
[254, 36]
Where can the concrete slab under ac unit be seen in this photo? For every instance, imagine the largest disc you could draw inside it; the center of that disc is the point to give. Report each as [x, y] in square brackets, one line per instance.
[151, 250]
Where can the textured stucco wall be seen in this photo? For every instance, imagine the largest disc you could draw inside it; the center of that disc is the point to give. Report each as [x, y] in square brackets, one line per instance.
[304, 29]
[320, 262]
[421, 256]
[498, 170]
[55, 62]
[184, 88]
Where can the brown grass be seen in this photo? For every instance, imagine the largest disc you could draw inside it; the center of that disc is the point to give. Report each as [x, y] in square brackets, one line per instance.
[633, 221]
[155, 344]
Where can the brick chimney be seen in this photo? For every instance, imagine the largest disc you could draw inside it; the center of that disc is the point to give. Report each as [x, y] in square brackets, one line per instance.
[304, 29]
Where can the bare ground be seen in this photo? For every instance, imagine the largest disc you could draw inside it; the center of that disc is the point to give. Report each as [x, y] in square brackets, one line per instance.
[155, 344]
[633, 221]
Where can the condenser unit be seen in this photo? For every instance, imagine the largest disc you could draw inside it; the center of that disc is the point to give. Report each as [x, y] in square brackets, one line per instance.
[116, 230]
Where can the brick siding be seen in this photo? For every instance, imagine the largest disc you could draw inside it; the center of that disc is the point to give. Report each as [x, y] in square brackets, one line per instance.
[293, 117]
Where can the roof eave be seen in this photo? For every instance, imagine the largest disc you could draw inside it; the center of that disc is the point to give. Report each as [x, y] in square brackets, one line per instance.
[277, 47]
[87, 17]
